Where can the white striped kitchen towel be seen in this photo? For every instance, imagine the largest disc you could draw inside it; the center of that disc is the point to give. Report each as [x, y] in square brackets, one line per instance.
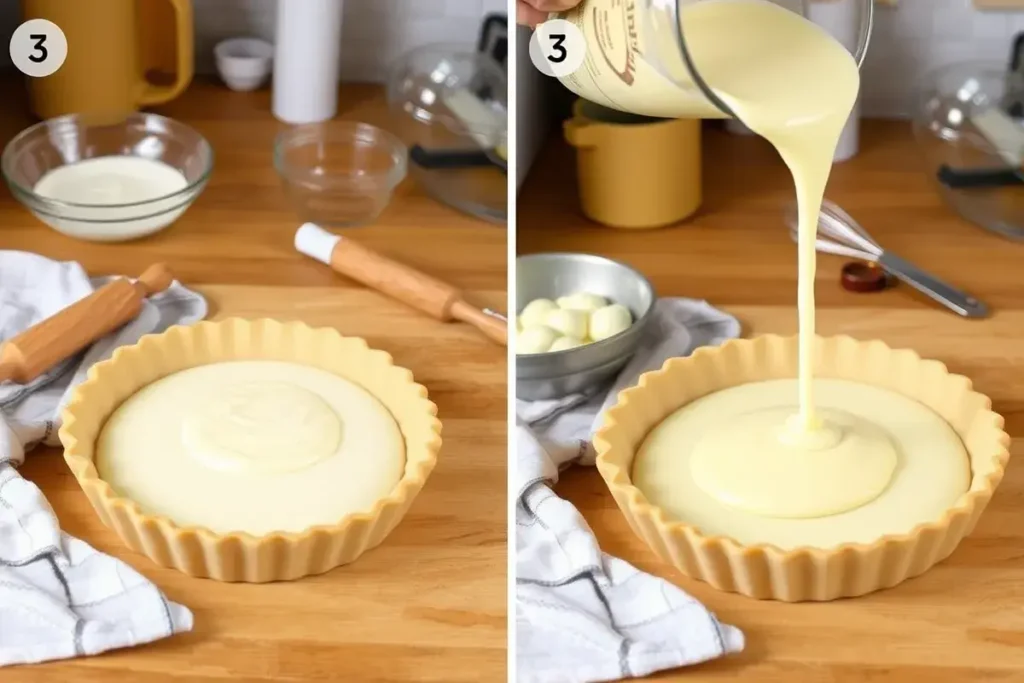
[60, 598]
[583, 616]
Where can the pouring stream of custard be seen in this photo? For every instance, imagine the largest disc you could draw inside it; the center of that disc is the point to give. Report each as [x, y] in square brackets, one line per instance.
[795, 85]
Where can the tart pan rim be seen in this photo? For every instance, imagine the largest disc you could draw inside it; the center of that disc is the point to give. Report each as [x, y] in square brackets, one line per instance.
[767, 571]
[241, 556]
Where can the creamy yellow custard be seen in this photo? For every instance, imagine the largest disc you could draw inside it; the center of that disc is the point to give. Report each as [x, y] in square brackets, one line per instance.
[252, 446]
[720, 465]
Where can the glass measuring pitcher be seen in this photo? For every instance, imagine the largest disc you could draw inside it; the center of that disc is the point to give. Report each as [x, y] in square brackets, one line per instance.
[640, 58]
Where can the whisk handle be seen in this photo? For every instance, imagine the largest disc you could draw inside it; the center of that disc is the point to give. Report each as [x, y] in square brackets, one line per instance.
[957, 301]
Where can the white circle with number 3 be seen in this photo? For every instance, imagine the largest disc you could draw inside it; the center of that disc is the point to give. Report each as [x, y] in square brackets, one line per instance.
[557, 48]
[38, 48]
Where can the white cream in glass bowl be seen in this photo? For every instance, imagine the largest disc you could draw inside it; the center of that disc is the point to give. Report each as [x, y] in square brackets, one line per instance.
[109, 178]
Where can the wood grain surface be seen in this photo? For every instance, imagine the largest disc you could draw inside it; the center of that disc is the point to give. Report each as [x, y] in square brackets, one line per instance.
[963, 620]
[430, 603]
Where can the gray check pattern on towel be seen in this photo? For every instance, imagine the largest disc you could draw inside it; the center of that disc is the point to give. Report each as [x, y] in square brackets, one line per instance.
[59, 597]
[583, 616]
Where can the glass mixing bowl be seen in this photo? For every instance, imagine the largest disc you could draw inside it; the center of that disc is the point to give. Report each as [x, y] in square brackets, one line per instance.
[971, 172]
[70, 139]
[339, 173]
[451, 107]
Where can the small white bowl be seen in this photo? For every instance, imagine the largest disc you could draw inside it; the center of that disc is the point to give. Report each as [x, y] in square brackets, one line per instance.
[244, 63]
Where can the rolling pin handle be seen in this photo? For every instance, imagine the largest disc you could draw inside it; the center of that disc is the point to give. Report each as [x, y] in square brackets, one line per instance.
[10, 368]
[495, 328]
[315, 242]
[155, 279]
[419, 290]
[42, 346]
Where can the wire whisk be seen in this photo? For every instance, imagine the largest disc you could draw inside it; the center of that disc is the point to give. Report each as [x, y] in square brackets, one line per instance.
[839, 234]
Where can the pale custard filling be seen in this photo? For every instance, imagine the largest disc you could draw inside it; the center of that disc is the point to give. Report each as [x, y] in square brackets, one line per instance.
[252, 446]
[718, 464]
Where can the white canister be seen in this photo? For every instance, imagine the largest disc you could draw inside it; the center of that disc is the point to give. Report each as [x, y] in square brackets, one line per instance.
[306, 60]
[842, 19]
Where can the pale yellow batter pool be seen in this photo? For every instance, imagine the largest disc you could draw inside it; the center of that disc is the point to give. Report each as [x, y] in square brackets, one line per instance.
[252, 446]
[883, 463]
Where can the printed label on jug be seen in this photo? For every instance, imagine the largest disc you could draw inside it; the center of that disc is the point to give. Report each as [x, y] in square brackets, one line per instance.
[618, 69]
[617, 39]
[598, 29]
[614, 73]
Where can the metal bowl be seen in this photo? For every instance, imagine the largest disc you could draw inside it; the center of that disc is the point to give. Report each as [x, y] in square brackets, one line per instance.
[541, 376]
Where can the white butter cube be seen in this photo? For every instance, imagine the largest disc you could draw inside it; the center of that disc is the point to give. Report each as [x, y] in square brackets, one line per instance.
[609, 321]
[537, 339]
[569, 323]
[536, 312]
[582, 301]
[565, 343]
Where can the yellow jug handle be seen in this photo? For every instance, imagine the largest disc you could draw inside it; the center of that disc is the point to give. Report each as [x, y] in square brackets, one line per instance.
[158, 94]
[580, 132]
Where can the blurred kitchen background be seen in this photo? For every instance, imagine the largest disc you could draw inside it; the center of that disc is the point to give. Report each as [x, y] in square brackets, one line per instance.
[911, 38]
[374, 32]
[441, 118]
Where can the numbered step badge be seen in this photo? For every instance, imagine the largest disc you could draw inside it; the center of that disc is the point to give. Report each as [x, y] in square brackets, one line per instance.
[38, 48]
[557, 48]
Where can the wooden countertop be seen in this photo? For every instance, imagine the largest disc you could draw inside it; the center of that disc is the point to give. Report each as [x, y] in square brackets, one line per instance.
[429, 604]
[964, 620]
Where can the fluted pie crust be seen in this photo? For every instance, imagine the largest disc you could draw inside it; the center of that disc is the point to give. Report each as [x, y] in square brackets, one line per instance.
[802, 574]
[243, 557]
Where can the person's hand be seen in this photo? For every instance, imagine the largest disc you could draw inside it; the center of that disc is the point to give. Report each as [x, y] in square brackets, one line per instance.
[532, 12]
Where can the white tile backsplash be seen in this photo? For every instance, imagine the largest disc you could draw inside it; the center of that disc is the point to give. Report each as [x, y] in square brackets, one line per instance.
[909, 40]
[374, 32]
[917, 36]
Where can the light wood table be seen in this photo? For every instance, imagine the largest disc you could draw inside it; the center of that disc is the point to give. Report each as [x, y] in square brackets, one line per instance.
[964, 620]
[429, 604]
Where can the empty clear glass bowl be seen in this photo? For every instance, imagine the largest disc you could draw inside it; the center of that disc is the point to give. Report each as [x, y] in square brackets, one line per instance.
[101, 211]
[339, 173]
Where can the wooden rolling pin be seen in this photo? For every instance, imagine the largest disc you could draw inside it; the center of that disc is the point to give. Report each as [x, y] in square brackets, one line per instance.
[433, 297]
[42, 346]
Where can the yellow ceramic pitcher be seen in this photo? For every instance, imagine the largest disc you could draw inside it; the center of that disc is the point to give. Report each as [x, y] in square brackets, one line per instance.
[635, 172]
[104, 73]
